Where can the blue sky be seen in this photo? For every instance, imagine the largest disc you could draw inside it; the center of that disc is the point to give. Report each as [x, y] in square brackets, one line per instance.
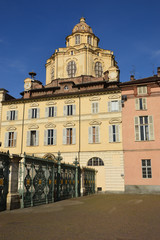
[30, 31]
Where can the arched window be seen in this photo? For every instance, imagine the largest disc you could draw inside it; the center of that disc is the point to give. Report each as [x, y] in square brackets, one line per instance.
[95, 161]
[71, 69]
[77, 39]
[98, 69]
[89, 39]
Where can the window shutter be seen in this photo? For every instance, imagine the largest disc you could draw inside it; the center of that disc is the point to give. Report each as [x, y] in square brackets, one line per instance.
[45, 137]
[74, 109]
[97, 134]
[97, 107]
[38, 112]
[151, 129]
[117, 133]
[6, 139]
[65, 111]
[64, 136]
[46, 112]
[74, 136]
[136, 123]
[137, 103]
[55, 111]
[16, 115]
[8, 115]
[92, 107]
[109, 106]
[119, 106]
[29, 113]
[15, 139]
[54, 136]
[28, 138]
[144, 103]
[37, 138]
[90, 133]
[110, 134]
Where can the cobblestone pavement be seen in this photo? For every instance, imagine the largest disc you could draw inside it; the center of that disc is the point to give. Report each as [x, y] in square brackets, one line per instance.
[97, 217]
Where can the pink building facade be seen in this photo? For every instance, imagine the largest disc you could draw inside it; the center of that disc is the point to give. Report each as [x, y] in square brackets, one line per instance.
[141, 134]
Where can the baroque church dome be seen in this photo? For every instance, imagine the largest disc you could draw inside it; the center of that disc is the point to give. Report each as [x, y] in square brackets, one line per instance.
[82, 26]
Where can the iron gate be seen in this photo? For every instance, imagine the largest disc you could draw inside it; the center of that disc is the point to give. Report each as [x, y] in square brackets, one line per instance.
[4, 177]
[43, 181]
[36, 181]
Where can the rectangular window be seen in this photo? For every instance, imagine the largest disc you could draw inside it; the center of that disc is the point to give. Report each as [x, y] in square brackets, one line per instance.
[12, 115]
[69, 136]
[33, 113]
[51, 111]
[33, 138]
[141, 103]
[114, 106]
[95, 107]
[142, 90]
[50, 136]
[144, 128]
[10, 139]
[89, 39]
[93, 134]
[114, 133]
[69, 110]
[77, 39]
[146, 168]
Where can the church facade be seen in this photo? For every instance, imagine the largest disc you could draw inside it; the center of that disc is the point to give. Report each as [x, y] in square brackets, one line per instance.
[77, 112]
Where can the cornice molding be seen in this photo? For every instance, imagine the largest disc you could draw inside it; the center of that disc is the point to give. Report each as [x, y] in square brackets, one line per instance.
[12, 106]
[50, 125]
[34, 104]
[69, 101]
[33, 126]
[69, 124]
[51, 103]
[115, 120]
[95, 98]
[11, 128]
[114, 96]
[95, 122]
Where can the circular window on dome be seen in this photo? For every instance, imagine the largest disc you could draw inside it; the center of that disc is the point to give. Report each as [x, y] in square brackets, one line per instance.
[71, 69]
[98, 69]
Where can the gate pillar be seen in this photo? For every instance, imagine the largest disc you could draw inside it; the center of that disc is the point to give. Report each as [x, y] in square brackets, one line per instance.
[13, 198]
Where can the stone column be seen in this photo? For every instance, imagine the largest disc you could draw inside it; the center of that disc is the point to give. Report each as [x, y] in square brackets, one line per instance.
[13, 198]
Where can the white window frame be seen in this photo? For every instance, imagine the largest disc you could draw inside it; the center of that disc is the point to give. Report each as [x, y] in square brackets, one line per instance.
[71, 69]
[114, 106]
[50, 137]
[114, 133]
[77, 39]
[141, 90]
[94, 134]
[95, 161]
[10, 139]
[144, 128]
[29, 138]
[89, 39]
[141, 103]
[69, 110]
[12, 115]
[33, 113]
[95, 107]
[98, 69]
[51, 111]
[69, 136]
[146, 168]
